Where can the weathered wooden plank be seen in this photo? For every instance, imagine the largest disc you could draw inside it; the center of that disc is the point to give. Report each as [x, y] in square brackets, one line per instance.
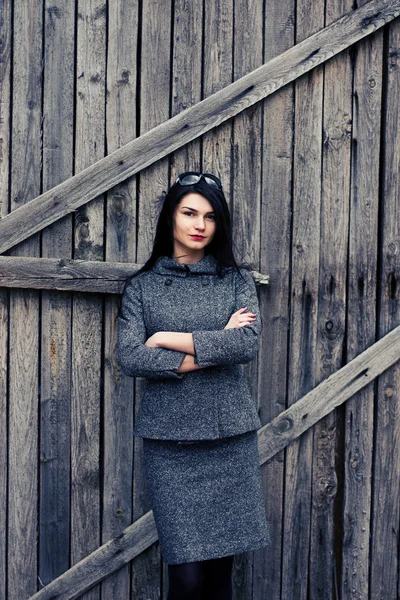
[5, 117]
[246, 200]
[23, 417]
[272, 438]
[193, 122]
[331, 318]
[117, 445]
[186, 76]
[303, 306]
[276, 209]
[386, 466]
[217, 74]
[55, 363]
[69, 274]
[361, 317]
[86, 348]
[106, 559]
[155, 82]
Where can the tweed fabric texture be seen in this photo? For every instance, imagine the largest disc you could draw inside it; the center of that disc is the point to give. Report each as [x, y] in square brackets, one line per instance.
[208, 403]
[206, 497]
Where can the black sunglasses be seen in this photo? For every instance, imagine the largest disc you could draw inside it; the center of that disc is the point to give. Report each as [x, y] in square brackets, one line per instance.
[191, 178]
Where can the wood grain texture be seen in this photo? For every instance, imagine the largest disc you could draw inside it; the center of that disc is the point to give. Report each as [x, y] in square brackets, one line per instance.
[217, 74]
[82, 275]
[156, 143]
[326, 472]
[5, 119]
[275, 226]
[303, 306]
[55, 359]
[361, 312]
[23, 382]
[86, 348]
[120, 245]
[386, 460]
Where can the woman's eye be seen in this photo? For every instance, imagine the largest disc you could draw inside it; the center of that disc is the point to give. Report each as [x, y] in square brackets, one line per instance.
[189, 214]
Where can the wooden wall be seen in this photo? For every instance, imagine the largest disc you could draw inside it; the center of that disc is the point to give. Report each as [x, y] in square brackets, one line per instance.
[312, 176]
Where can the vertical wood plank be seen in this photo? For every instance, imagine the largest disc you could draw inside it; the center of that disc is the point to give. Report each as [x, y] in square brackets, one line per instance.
[55, 433]
[120, 246]
[155, 81]
[335, 178]
[361, 317]
[217, 73]
[24, 305]
[304, 305]
[246, 195]
[386, 492]
[87, 309]
[186, 76]
[5, 124]
[276, 197]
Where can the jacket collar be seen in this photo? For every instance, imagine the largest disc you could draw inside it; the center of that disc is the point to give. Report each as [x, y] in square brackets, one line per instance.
[166, 265]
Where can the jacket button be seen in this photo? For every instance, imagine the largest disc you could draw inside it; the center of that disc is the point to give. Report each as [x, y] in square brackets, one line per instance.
[168, 281]
[204, 282]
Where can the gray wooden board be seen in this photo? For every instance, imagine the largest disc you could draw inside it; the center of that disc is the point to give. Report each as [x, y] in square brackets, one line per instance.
[120, 245]
[276, 197]
[384, 576]
[55, 359]
[23, 365]
[5, 116]
[69, 274]
[303, 306]
[325, 538]
[361, 312]
[87, 311]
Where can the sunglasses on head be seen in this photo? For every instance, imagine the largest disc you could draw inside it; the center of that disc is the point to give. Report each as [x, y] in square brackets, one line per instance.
[192, 177]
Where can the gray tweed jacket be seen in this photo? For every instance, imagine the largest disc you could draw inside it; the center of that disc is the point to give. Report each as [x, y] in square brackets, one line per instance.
[208, 403]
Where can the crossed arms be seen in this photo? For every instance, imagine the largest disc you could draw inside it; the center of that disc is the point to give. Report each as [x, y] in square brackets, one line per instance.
[168, 355]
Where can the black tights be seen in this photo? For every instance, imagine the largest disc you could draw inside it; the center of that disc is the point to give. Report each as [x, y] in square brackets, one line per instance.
[201, 580]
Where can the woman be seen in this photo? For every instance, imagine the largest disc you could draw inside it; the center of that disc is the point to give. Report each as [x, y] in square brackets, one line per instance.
[188, 318]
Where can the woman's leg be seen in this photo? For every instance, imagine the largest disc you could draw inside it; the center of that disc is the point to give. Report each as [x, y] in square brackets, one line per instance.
[186, 581]
[218, 578]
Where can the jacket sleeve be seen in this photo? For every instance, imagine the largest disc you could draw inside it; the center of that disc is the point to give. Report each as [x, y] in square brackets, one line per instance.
[135, 358]
[235, 345]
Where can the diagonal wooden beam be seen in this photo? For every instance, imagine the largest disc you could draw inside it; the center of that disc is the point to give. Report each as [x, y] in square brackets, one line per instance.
[194, 122]
[272, 438]
[75, 275]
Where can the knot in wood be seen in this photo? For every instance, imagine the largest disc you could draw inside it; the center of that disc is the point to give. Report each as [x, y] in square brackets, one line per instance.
[283, 425]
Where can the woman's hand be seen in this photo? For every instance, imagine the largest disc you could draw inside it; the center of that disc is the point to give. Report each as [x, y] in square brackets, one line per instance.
[240, 318]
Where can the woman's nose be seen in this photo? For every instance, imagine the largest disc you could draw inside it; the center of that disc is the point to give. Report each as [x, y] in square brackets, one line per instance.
[200, 223]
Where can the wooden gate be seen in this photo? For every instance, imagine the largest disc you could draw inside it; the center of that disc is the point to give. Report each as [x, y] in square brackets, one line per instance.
[312, 176]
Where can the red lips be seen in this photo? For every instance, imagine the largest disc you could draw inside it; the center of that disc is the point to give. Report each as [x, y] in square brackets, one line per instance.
[198, 237]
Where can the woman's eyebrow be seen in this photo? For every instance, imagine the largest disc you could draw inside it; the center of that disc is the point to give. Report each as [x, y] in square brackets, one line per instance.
[195, 210]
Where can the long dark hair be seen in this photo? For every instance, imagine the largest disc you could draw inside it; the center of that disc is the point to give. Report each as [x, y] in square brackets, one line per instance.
[221, 244]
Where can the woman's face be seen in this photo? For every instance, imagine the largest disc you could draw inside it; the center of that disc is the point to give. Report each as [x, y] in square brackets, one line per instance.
[193, 216]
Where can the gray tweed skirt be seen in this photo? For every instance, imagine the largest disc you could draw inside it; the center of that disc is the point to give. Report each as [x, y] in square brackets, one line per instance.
[206, 496]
